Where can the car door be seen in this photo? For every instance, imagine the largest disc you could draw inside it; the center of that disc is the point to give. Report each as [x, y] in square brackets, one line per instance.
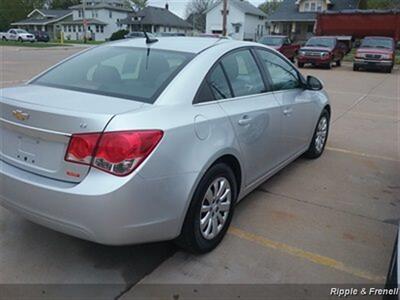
[13, 35]
[297, 105]
[253, 111]
[286, 48]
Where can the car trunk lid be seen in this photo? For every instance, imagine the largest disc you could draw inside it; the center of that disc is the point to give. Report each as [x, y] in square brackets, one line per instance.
[36, 123]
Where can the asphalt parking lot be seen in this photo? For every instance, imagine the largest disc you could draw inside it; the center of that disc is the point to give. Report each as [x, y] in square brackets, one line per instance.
[331, 220]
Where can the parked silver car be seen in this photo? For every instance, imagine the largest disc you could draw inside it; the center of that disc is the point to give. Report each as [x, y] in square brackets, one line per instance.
[139, 141]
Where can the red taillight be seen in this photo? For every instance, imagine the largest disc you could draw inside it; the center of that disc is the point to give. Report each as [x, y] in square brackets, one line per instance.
[118, 153]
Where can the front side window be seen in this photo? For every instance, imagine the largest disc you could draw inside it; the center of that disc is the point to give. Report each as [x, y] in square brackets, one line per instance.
[243, 73]
[125, 72]
[283, 75]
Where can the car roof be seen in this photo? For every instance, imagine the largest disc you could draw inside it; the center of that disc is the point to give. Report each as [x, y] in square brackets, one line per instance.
[277, 36]
[179, 43]
[379, 37]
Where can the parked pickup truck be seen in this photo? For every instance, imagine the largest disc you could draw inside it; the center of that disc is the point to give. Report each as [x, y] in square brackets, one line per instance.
[20, 35]
[321, 51]
[281, 43]
[375, 52]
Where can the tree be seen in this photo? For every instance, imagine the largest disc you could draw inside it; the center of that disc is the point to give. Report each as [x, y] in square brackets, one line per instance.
[269, 6]
[15, 10]
[136, 4]
[379, 4]
[63, 4]
[196, 13]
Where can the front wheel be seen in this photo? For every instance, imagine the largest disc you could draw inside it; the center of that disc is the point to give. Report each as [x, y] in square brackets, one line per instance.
[338, 63]
[4, 39]
[210, 211]
[320, 136]
[355, 68]
[300, 65]
[20, 40]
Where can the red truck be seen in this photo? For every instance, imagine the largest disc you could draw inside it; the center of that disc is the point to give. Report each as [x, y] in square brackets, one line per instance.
[282, 44]
[321, 51]
[375, 53]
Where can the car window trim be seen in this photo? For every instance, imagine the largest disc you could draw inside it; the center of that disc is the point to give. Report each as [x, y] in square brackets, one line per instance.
[267, 85]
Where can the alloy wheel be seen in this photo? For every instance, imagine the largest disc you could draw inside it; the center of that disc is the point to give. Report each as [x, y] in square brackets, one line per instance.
[322, 131]
[215, 208]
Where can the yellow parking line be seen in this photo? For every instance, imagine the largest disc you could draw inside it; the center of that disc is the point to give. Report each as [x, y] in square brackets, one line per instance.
[315, 258]
[362, 154]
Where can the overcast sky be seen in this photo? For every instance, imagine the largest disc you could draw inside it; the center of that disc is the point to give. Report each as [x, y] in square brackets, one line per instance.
[178, 7]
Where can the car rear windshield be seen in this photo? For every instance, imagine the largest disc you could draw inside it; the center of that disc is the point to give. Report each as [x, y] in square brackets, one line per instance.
[138, 74]
[321, 42]
[377, 43]
[271, 41]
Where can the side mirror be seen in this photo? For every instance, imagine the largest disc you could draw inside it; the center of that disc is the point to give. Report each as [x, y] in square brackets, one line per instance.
[314, 83]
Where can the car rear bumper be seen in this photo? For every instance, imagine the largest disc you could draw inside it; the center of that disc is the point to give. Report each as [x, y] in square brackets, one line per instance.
[365, 63]
[102, 208]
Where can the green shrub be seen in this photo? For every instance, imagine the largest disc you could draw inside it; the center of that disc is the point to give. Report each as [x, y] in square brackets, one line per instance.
[119, 35]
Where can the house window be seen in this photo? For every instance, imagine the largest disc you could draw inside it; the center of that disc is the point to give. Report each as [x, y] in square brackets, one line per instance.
[102, 29]
[310, 28]
[80, 13]
[74, 28]
[97, 28]
[110, 14]
[313, 6]
[319, 7]
[307, 6]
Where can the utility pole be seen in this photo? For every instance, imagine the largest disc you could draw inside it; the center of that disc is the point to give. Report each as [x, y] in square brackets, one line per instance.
[84, 21]
[224, 15]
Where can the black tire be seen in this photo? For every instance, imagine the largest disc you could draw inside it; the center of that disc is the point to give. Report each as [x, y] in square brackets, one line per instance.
[389, 70]
[313, 151]
[20, 40]
[328, 66]
[300, 65]
[338, 63]
[191, 237]
[4, 39]
[355, 68]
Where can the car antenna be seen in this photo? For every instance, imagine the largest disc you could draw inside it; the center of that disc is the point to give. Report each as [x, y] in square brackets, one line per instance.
[148, 39]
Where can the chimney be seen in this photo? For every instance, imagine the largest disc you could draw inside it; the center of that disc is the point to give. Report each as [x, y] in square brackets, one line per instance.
[166, 6]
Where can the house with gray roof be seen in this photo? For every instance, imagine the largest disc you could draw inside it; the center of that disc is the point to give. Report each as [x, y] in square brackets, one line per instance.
[155, 20]
[244, 20]
[44, 20]
[101, 18]
[296, 18]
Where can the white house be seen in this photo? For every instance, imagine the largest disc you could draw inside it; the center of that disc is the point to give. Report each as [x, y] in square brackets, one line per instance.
[102, 19]
[244, 20]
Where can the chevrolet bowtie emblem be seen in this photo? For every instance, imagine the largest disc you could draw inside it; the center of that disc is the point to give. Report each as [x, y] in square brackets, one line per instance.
[20, 115]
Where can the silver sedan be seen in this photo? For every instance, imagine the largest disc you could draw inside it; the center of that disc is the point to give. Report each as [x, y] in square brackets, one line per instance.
[148, 140]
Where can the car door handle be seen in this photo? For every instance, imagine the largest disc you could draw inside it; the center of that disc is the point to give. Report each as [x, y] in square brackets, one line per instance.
[245, 120]
[287, 111]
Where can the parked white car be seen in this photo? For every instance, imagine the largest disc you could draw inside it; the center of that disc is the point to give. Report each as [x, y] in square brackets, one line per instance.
[20, 35]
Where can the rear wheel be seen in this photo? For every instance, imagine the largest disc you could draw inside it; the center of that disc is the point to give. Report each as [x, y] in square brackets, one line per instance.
[4, 38]
[20, 40]
[338, 63]
[210, 211]
[389, 70]
[320, 136]
[355, 68]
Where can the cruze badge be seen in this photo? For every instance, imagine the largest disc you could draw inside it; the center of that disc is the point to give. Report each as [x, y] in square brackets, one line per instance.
[20, 115]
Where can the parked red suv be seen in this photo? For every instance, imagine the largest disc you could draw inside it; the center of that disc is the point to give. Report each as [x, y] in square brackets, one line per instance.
[321, 51]
[375, 52]
[282, 44]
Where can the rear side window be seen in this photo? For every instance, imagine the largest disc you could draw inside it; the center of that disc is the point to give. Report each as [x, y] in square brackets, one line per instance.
[133, 73]
[243, 73]
[282, 74]
[218, 84]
